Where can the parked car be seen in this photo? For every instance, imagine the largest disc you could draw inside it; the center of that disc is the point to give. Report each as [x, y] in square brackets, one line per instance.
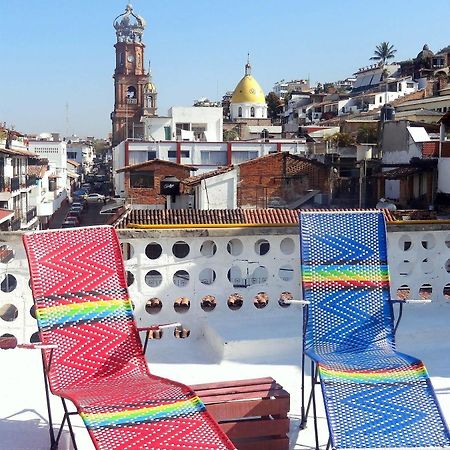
[95, 198]
[72, 217]
[70, 222]
[75, 211]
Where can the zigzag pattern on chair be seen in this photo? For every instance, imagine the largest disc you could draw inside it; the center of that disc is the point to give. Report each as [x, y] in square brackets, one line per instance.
[82, 306]
[375, 397]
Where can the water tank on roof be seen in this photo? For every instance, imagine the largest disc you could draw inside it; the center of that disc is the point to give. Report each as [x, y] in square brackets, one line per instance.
[387, 112]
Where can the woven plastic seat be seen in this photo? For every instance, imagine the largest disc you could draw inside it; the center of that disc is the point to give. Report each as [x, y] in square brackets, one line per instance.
[82, 307]
[375, 397]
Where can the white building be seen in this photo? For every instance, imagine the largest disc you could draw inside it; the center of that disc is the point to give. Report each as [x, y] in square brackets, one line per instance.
[186, 123]
[83, 153]
[53, 187]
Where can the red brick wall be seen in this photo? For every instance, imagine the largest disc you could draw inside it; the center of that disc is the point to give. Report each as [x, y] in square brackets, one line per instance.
[263, 180]
[148, 196]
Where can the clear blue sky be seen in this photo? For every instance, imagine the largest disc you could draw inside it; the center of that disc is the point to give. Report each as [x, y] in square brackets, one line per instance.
[61, 51]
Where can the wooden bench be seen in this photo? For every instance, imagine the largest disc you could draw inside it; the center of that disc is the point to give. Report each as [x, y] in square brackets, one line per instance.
[253, 413]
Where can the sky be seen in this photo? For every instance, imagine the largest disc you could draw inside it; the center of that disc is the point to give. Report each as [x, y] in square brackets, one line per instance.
[58, 55]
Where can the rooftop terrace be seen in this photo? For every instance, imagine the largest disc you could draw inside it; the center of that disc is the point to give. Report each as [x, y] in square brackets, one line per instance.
[224, 286]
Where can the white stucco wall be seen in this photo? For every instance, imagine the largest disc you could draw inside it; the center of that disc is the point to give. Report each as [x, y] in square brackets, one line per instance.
[260, 111]
[443, 178]
[219, 192]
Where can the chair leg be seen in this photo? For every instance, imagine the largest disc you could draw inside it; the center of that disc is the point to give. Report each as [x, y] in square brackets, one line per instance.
[313, 385]
[69, 423]
[53, 441]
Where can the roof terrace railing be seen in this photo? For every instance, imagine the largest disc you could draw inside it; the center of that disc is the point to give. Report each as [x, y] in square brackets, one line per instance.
[210, 277]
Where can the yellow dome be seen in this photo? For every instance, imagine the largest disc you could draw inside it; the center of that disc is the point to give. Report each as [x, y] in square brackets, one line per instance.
[248, 90]
[150, 87]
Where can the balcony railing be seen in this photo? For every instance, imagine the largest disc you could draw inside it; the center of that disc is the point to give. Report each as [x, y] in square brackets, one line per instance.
[31, 214]
[15, 184]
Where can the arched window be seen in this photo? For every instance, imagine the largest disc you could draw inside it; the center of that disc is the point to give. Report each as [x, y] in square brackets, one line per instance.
[252, 111]
[240, 111]
[131, 92]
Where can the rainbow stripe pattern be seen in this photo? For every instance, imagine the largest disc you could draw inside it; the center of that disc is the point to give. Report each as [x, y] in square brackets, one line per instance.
[172, 411]
[370, 376]
[346, 276]
[68, 314]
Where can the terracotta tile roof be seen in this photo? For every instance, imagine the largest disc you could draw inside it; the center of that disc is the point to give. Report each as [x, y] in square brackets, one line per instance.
[192, 181]
[5, 214]
[150, 163]
[15, 151]
[259, 217]
[400, 172]
[38, 170]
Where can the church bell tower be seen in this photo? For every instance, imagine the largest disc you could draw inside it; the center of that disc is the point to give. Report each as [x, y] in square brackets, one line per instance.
[130, 78]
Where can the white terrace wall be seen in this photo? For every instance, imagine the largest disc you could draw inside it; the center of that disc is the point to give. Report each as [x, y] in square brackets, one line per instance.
[193, 264]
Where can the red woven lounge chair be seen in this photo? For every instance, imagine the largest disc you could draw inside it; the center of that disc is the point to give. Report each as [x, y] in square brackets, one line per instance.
[84, 312]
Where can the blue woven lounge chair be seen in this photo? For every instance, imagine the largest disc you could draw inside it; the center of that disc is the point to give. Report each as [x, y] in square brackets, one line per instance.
[374, 396]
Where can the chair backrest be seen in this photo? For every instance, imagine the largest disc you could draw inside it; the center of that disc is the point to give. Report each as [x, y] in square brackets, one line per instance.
[345, 277]
[82, 305]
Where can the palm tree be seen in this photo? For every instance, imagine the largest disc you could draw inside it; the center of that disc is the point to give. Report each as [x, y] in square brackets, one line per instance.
[383, 52]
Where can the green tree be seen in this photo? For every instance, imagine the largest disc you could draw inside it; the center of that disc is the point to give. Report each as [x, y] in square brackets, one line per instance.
[383, 52]
[367, 134]
[341, 139]
[274, 105]
[230, 135]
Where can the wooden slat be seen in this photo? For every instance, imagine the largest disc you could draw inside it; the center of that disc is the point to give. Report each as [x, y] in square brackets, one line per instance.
[230, 390]
[211, 399]
[249, 408]
[233, 383]
[281, 443]
[256, 428]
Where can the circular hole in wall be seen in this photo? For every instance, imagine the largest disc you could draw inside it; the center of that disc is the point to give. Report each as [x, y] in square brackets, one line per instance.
[261, 300]
[181, 278]
[405, 268]
[9, 283]
[33, 311]
[6, 254]
[404, 292]
[153, 250]
[180, 249]
[34, 338]
[208, 303]
[208, 249]
[405, 243]
[235, 247]
[155, 334]
[446, 291]
[181, 332]
[447, 241]
[447, 265]
[287, 246]
[235, 301]
[8, 312]
[207, 276]
[130, 278]
[153, 305]
[427, 266]
[127, 250]
[428, 241]
[284, 296]
[262, 247]
[8, 341]
[259, 276]
[425, 291]
[182, 304]
[236, 278]
[286, 273]
[153, 278]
